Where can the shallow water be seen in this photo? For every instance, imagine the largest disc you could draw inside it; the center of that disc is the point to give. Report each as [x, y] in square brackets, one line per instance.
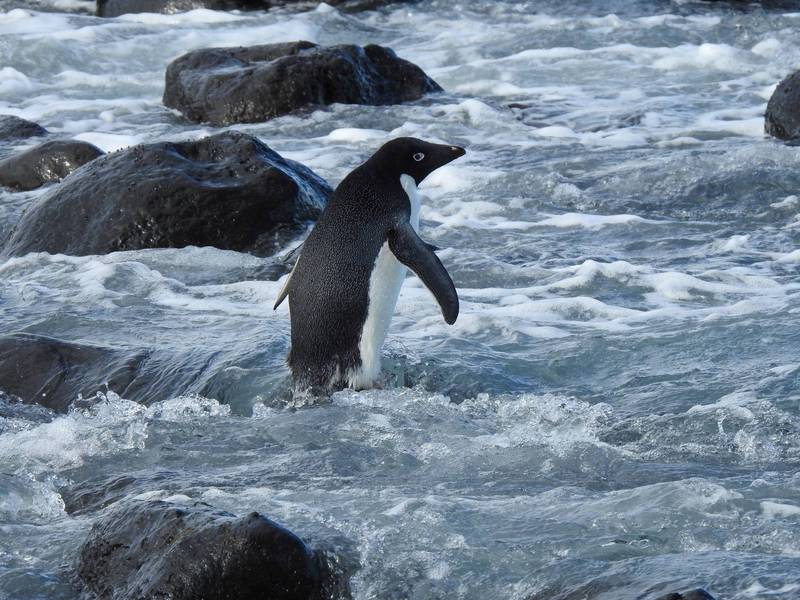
[615, 413]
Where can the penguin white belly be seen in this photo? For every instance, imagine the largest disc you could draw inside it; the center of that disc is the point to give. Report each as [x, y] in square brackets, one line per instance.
[384, 289]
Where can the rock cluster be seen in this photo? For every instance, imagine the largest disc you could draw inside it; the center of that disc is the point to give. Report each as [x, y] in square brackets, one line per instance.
[229, 191]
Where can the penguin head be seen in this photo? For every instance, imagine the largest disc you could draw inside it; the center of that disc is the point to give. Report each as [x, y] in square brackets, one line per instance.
[417, 158]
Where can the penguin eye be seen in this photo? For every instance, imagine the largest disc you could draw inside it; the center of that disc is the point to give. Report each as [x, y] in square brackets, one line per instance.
[419, 156]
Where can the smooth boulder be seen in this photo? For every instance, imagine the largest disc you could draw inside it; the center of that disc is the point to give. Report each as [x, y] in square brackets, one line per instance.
[229, 191]
[782, 119]
[246, 85]
[45, 163]
[13, 128]
[158, 549]
[115, 8]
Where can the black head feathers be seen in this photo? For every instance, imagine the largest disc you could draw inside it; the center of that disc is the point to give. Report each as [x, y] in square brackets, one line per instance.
[414, 157]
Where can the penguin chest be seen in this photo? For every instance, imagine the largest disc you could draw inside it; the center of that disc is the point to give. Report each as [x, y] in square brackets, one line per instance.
[385, 282]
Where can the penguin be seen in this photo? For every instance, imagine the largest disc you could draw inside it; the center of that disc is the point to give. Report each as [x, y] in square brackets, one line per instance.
[344, 286]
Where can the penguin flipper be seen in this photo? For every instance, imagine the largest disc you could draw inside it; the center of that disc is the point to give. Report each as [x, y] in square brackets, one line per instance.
[284, 292]
[292, 255]
[410, 250]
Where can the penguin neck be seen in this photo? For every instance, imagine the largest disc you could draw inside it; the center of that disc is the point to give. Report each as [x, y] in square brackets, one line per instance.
[409, 186]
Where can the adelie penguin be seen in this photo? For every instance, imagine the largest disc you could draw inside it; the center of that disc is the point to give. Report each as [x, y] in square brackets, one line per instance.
[344, 286]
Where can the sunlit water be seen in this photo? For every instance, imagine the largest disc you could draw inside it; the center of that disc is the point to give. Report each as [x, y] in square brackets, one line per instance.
[614, 414]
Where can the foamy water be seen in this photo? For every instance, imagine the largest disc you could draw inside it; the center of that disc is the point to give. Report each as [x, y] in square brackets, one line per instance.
[615, 413]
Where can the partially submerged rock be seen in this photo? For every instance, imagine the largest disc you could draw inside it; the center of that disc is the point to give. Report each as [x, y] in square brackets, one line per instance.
[115, 8]
[614, 585]
[158, 549]
[14, 128]
[244, 85]
[53, 373]
[45, 163]
[229, 191]
[782, 119]
[697, 594]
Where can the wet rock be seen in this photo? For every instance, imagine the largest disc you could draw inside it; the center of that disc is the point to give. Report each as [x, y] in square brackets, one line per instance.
[782, 119]
[229, 191]
[46, 163]
[246, 85]
[697, 594]
[53, 373]
[12, 128]
[114, 8]
[157, 549]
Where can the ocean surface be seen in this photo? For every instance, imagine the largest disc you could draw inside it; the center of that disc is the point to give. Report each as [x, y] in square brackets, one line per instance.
[616, 412]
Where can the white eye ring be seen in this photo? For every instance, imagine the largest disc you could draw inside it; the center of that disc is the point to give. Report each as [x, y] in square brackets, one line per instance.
[419, 156]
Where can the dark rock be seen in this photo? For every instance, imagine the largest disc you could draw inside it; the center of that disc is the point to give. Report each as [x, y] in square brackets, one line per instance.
[48, 162]
[229, 191]
[697, 594]
[614, 585]
[54, 373]
[156, 549]
[246, 85]
[782, 119]
[15, 128]
[115, 8]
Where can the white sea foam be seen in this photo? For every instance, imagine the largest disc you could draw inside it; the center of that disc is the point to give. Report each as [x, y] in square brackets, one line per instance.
[186, 408]
[790, 257]
[196, 16]
[351, 134]
[590, 221]
[12, 82]
[773, 510]
[112, 425]
[109, 142]
[715, 56]
[787, 202]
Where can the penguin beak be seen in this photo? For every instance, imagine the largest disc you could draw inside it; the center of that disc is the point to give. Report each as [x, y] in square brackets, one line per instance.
[457, 151]
[440, 155]
[448, 154]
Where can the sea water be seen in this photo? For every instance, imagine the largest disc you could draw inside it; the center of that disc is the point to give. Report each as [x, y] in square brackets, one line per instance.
[615, 412]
